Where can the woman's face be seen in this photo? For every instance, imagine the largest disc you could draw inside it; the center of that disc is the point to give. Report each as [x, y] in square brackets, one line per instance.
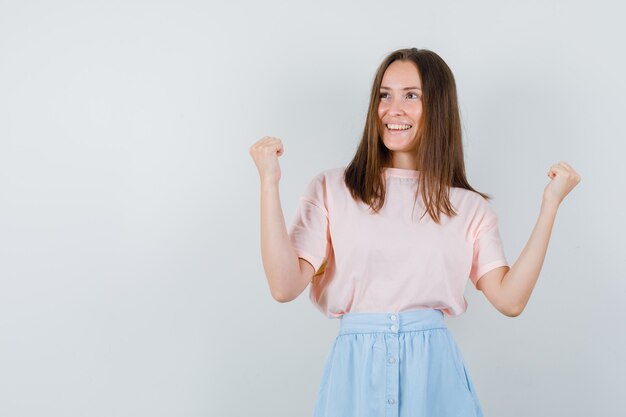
[400, 107]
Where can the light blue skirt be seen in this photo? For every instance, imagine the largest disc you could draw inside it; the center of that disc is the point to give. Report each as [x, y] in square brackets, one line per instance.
[403, 364]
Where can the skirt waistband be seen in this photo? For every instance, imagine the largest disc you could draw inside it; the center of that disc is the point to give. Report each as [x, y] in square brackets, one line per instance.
[390, 322]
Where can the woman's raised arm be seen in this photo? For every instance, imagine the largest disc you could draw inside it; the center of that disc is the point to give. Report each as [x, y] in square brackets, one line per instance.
[287, 275]
[510, 290]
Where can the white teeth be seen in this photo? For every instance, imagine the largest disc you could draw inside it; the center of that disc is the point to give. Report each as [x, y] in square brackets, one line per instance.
[398, 127]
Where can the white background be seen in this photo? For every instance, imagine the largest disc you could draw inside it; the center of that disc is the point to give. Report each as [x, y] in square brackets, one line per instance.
[131, 281]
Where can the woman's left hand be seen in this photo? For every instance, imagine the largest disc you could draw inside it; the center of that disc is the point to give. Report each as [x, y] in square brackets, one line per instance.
[563, 180]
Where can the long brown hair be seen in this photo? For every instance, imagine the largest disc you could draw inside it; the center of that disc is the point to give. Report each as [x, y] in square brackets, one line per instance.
[439, 148]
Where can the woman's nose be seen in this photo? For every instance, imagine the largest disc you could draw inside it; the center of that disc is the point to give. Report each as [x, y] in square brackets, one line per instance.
[396, 107]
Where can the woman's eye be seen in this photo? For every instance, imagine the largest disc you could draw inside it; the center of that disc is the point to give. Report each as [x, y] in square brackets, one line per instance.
[409, 95]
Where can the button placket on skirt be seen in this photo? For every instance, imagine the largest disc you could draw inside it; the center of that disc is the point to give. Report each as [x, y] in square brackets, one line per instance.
[392, 346]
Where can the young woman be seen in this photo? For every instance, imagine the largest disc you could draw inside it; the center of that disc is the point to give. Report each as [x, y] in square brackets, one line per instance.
[389, 274]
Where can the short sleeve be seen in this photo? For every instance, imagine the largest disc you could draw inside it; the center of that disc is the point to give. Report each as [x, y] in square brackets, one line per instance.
[309, 232]
[488, 250]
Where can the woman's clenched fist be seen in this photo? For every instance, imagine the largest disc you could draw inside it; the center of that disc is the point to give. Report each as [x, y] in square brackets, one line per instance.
[265, 153]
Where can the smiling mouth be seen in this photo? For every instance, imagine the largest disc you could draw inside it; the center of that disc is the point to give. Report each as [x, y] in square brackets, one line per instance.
[398, 127]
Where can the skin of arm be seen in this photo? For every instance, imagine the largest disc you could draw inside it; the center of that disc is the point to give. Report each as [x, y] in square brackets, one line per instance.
[509, 289]
[287, 275]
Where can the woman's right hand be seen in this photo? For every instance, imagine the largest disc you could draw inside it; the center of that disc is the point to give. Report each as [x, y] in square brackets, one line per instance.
[265, 153]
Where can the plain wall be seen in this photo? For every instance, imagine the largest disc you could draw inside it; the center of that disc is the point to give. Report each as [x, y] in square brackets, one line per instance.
[131, 281]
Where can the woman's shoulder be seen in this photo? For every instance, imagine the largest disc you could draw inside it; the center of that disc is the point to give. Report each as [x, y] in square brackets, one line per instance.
[465, 194]
[330, 176]
[469, 201]
[325, 180]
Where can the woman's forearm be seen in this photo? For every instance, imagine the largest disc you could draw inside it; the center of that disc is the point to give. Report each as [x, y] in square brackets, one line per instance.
[519, 281]
[280, 261]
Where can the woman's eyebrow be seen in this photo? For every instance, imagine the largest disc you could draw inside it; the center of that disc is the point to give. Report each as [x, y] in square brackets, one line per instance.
[407, 88]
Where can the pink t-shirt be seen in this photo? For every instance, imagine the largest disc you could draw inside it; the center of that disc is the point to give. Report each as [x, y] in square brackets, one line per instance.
[392, 261]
